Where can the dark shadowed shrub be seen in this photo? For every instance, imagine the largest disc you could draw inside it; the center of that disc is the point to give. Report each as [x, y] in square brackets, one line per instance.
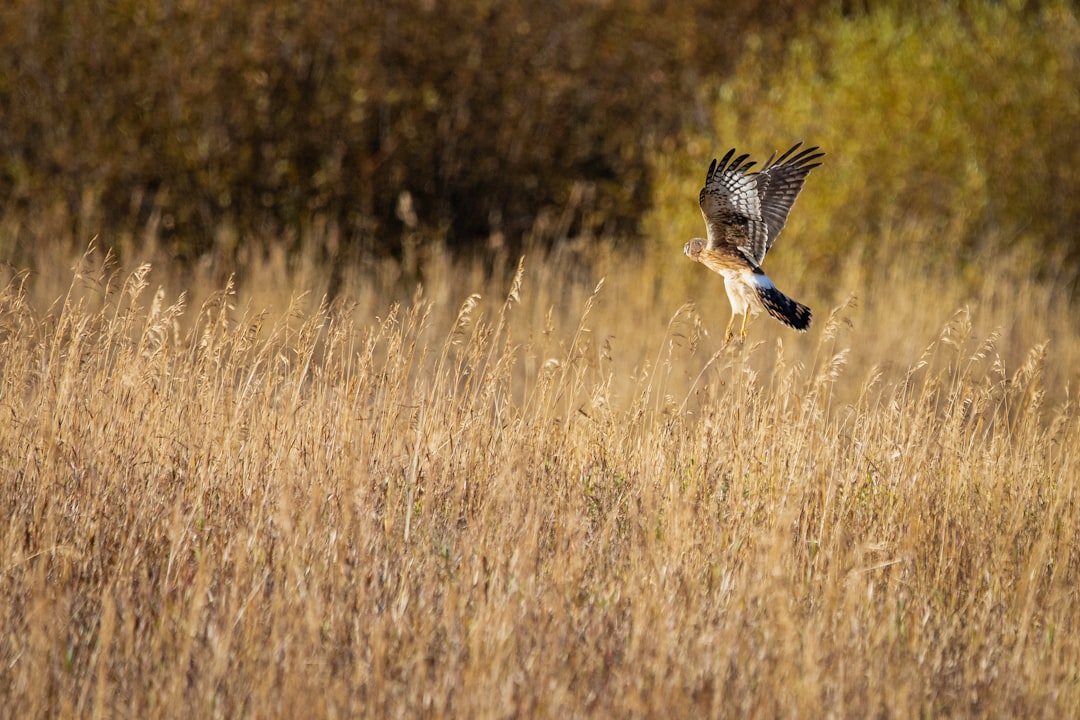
[496, 118]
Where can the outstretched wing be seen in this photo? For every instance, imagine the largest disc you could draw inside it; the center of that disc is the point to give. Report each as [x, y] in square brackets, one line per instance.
[731, 206]
[747, 211]
[778, 184]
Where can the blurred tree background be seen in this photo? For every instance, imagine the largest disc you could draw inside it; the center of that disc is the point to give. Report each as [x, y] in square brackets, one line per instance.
[952, 132]
[480, 124]
[491, 115]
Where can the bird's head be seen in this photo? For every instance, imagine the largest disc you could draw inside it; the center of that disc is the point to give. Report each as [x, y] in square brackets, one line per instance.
[693, 248]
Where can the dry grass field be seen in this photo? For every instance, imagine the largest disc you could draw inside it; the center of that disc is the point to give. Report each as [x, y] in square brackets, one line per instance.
[487, 488]
[542, 495]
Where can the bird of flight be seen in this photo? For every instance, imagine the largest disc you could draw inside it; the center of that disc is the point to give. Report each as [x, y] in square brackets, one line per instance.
[744, 213]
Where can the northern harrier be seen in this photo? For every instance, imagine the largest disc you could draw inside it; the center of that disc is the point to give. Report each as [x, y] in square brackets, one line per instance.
[744, 212]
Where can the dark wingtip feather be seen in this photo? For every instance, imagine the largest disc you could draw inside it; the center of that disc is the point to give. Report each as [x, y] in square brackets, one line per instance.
[787, 153]
[723, 163]
[793, 158]
[809, 155]
[802, 159]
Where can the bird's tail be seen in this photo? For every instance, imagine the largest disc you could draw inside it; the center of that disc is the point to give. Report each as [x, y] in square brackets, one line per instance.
[780, 306]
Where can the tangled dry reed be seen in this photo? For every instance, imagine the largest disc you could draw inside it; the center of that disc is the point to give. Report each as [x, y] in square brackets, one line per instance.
[503, 509]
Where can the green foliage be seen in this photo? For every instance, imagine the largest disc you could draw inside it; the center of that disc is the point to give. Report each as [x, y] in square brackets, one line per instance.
[496, 118]
[955, 123]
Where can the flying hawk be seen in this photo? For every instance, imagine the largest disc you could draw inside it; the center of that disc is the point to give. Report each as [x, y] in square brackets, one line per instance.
[744, 212]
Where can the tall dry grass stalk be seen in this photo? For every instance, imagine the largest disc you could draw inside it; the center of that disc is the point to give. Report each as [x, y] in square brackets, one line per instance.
[556, 497]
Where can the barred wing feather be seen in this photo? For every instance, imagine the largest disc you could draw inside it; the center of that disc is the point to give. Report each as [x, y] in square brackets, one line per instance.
[745, 211]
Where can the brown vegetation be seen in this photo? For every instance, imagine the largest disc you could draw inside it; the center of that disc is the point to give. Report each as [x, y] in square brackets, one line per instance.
[475, 488]
[262, 114]
[538, 501]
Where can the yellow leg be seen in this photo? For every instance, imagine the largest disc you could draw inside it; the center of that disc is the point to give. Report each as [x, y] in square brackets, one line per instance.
[727, 330]
[742, 333]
